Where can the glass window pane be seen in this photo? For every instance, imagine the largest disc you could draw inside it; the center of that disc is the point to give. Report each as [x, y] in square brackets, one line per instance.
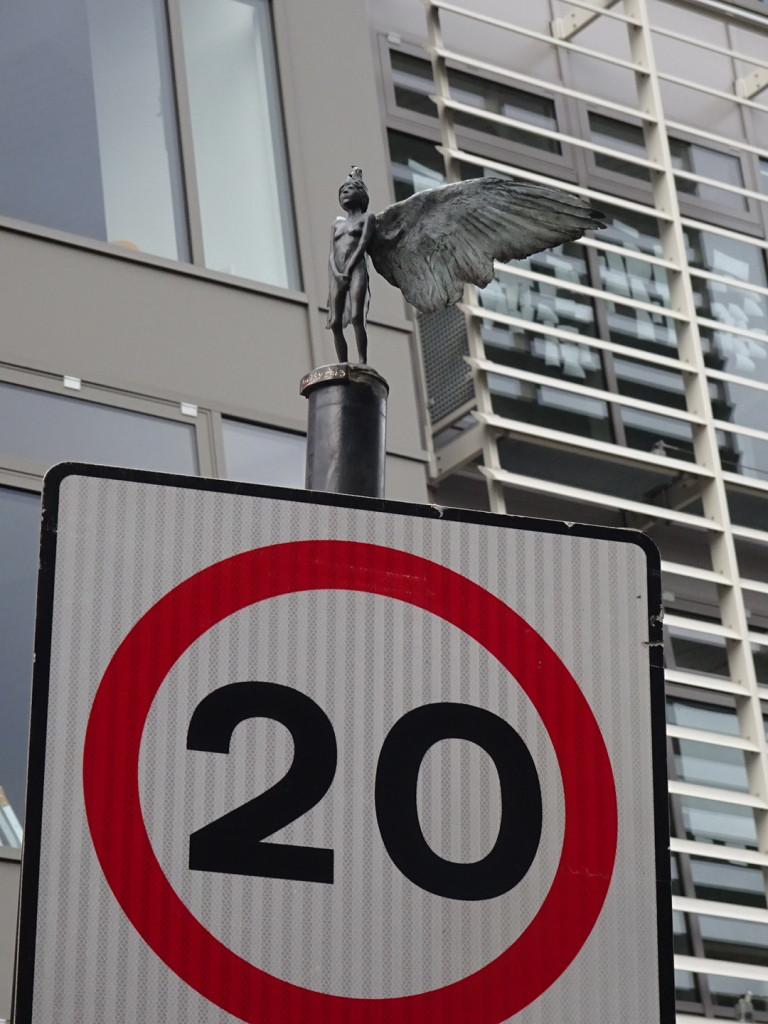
[709, 163]
[710, 765]
[549, 407]
[49, 428]
[728, 939]
[240, 159]
[696, 715]
[727, 991]
[19, 540]
[728, 882]
[651, 432]
[414, 85]
[89, 141]
[681, 939]
[686, 987]
[713, 821]
[262, 455]
[699, 653]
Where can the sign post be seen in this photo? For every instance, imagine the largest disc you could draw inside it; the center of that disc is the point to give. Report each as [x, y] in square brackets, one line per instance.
[301, 756]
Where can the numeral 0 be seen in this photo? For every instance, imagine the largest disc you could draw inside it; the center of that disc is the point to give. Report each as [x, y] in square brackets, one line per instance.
[234, 843]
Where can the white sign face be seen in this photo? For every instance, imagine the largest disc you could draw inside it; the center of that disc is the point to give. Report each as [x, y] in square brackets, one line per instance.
[300, 757]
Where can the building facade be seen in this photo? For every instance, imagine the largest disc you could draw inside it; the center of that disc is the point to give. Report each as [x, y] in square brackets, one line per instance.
[168, 173]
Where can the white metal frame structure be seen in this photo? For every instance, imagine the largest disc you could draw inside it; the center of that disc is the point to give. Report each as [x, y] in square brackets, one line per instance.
[708, 548]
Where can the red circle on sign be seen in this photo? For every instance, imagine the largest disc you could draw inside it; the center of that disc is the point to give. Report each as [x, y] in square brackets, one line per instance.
[491, 994]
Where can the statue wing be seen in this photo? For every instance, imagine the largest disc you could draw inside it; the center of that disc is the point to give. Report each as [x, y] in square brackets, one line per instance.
[432, 243]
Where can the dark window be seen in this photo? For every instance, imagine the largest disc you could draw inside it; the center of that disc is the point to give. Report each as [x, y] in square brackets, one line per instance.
[19, 538]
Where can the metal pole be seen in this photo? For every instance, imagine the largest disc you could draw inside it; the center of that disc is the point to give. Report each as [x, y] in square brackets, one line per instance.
[346, 429]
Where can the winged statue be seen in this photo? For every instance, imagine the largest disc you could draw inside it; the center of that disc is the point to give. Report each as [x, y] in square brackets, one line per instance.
[433, 243]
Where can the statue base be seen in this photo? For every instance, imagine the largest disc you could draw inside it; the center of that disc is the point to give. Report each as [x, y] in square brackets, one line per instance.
[346, 429]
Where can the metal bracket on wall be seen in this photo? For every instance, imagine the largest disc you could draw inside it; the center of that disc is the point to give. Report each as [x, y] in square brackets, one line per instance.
[753, 83]
[569, 25]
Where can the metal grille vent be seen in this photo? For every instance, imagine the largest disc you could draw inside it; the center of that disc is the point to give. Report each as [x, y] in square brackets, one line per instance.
[444, 345]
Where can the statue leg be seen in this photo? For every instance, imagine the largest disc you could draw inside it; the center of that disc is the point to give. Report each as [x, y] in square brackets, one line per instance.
[358, 293]
[335, 319]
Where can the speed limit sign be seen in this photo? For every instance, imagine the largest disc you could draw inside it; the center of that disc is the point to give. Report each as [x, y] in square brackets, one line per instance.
[301, 757]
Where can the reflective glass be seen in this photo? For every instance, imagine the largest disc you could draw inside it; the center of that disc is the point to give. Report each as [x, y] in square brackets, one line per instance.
[19, 545]
[651, 432]
[728, 939]
[414, 87]
[625, 275]
[727, 991]
[731, 305]
[686, 987]
[649, 383]
[710, 765]
[698, 652]
[240, 160]
[416, 165]
[713, 821]
[697, 715]
[727, 882]
[746, 455]
[680, 936]
[549, 407]
[89, 139]
[49, 428]
[686, 156]
[262, 455]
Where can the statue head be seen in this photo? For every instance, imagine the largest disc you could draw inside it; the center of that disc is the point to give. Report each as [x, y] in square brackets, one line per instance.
[353, 191]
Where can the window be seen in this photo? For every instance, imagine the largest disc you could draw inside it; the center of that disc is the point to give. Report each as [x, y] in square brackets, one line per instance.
[262, 455]
[687, 157]
[91, 140]
[48, 428]
[414, 86]
[19, 544]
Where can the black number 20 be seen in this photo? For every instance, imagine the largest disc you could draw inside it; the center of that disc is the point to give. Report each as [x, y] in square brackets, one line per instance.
[234, 843]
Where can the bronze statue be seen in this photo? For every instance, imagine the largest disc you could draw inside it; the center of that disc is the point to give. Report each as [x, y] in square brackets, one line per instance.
[433, 243]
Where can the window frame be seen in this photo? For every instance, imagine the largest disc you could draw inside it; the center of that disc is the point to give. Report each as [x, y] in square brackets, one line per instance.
[409, 122]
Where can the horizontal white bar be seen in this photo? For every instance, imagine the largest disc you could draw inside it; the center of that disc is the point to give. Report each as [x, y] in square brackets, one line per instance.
[603, 11]
[698, 87]
[757, 585]
[710, 908]
[734, 378]
[538, 83]
[615, 452]
[716, 739]
[757, 638]
[738, 190]
[723, 796]
[676, 675]
[725, 968]
[745, 482]
[534, 327]
[541, 179]
[717, 852]
[546, 133]
[630, 254]
[698, 626]
[538, 36]
[699, 43]
[694, 573]
[742, 332]
[580, 389]
[714, 229]
[618, 504]
[734, 428]
[732, 282]
[747, 532]
[593, 293]
[720, 140]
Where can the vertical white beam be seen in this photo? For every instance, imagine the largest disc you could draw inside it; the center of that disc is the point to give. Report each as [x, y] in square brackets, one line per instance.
[714, 496]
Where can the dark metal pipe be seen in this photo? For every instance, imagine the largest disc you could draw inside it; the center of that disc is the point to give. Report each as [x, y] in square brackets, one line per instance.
[346, 429]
